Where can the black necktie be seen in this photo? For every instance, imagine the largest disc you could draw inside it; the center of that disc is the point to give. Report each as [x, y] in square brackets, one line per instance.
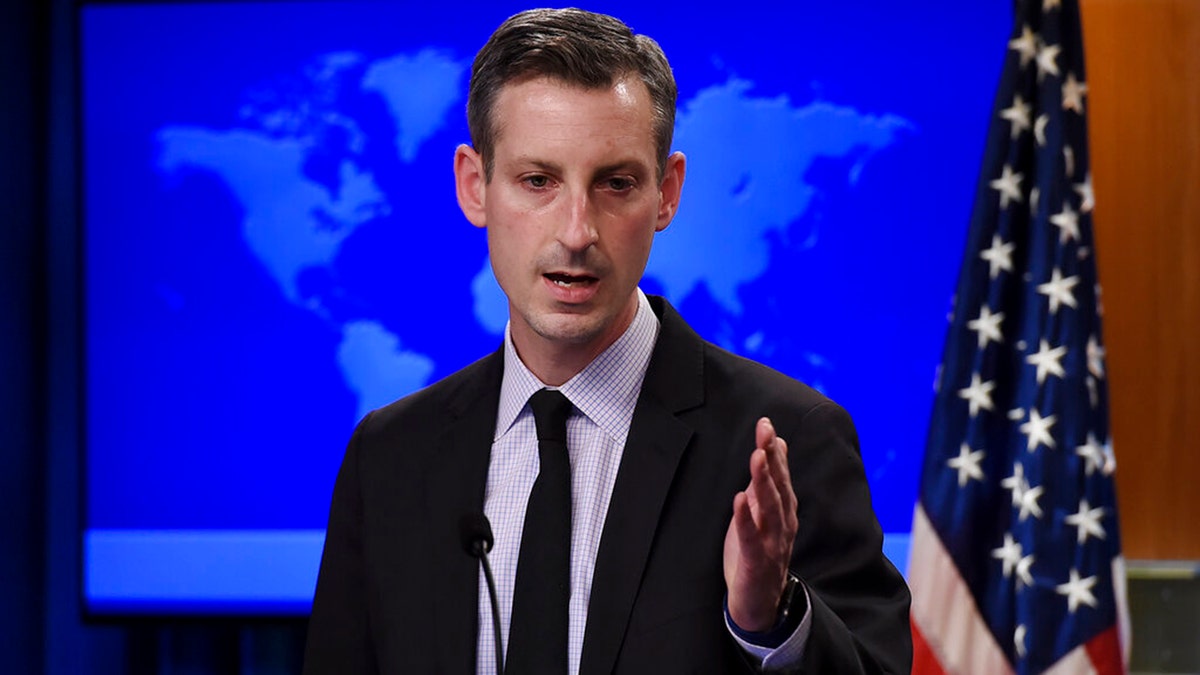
[537, 640]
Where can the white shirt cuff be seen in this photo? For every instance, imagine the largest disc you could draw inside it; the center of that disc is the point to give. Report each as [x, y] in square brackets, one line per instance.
[786, 655]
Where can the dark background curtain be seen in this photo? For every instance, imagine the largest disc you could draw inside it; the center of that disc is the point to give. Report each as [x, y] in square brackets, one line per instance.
[42, 629]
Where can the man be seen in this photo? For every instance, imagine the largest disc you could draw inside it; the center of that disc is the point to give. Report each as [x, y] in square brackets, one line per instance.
[719, 518]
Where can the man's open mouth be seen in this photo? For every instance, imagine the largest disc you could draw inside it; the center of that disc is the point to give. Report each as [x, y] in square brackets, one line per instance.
[568, 280]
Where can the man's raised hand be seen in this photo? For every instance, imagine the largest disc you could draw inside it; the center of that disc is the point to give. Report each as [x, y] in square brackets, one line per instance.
[758, 544]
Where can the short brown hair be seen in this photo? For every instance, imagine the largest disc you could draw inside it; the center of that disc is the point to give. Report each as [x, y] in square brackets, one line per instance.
[576, 47]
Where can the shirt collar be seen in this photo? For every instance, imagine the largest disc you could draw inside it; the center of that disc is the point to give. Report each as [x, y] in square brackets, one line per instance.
[606, 390]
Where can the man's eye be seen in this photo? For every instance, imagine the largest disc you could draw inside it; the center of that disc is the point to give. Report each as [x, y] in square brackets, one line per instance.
[537, 181]
[618, 184]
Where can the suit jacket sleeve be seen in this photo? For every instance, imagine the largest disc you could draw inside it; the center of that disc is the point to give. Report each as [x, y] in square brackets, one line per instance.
[859, 601]
[338, 638]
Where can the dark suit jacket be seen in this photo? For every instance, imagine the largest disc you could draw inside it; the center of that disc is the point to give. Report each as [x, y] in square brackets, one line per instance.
[398, 594]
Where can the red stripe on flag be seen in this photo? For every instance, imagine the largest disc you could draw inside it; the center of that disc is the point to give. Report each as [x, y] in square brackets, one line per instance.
[1104, 650]
[924, 660]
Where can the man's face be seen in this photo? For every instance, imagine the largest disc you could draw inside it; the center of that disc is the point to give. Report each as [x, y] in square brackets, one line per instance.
[571, 209]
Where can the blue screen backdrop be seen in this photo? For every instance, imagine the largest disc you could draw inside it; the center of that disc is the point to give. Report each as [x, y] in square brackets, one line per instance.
[272, 247]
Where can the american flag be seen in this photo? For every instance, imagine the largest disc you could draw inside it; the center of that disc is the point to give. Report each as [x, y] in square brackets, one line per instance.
[1016, 557]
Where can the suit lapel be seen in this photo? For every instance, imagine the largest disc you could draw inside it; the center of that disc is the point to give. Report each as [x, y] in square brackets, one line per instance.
[455, 481]
[656, 442]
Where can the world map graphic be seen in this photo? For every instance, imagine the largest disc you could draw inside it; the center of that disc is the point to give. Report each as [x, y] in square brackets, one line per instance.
[749, 182]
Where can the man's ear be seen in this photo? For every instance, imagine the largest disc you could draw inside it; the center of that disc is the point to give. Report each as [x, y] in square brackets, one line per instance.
[670, 190]
[470, 182]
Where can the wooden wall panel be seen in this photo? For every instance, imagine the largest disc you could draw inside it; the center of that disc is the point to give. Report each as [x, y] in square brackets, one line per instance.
[1143, 65]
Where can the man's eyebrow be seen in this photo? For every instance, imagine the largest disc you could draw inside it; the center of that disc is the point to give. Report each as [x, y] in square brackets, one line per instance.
[527, 161]
[630, 165]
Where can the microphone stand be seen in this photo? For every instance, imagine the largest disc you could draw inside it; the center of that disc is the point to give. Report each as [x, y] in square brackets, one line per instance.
[476, 533]
[491, 585]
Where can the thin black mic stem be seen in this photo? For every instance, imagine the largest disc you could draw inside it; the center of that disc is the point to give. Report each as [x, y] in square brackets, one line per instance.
[476, 533]
[491, 585]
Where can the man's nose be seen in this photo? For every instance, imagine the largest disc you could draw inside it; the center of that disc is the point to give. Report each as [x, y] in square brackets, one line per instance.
[577, 230]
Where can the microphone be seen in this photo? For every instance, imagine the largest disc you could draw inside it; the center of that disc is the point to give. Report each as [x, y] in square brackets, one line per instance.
[476, 531]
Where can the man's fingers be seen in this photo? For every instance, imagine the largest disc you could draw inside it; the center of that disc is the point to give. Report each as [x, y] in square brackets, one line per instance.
[764, 495]
[743, 524]
[777, 463]
[781, 474]
[770, 514]
[764, 433]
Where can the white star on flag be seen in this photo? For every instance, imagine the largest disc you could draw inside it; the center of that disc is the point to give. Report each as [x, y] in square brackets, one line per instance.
[998, 256]
[1009, 186]
[978, 395]
[1072, 94]
[1019, 640]
[1086, 196]
[1039, 128]
[1110, 459]
[1059, 290]
[988, 327]
[1067, 222]
[1095, 356]
[1017, 115]
[1046, 61]
[1078, 591]
[1026, 45]
[1024, 578]
[1038, 430]
[1016, 483]
[1092, 453]
[1047, 360]
[1009, 554]
[1087, 521]
[1029, 503]
[967, 465]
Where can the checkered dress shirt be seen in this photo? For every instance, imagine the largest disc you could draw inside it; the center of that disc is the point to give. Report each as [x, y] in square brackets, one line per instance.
[604, 394]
